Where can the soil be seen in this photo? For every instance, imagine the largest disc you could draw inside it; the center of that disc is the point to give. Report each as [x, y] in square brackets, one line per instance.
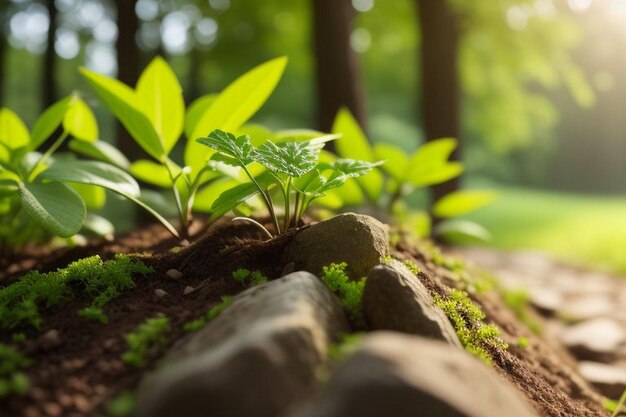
[77, 377]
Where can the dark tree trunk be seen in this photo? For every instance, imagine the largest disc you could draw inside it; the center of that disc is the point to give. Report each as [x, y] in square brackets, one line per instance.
[128, 65]
[440, 102]
[49, 87]
[336, 64]
[3, 62]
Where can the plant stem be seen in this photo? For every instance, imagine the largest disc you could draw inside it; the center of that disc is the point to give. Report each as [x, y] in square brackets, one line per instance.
[254, 222]
[182, 212]
[286, 192]
[296, 210]
[266, 199]
[47, 155]
[152, 211]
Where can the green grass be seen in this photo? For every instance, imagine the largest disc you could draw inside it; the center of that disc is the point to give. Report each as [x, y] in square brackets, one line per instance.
[586, 229]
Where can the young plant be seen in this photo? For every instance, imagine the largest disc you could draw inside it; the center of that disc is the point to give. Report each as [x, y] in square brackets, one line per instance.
[292, 168]
[349, 292]
[215, 311]
[247, 277]
[403, 174]
[154, 114]
[50, 189]
[140, 342]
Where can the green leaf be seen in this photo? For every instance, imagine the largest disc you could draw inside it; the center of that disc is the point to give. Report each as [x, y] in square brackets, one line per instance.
[353, 168]
[233, 197]
[124, 103]
[437, 174]
[206, 197]
[462, 202]
[238, 150]
[93, 196]
[195, 112]
[353, 142]
[462, 231]
[99, 225]
[397, 161]
[94, 173]
[429, 164]
[162, 100]
[80, 122]
[235, 106]
[151, 173]
[101, 151]
[55, 206]
[48, 122]
[13, 131]
[292, 158]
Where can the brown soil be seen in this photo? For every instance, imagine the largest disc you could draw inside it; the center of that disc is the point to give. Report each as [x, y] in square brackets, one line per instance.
[84, 371]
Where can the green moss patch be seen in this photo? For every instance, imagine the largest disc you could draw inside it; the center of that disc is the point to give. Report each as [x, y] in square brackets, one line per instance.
[12, 379]
[152, 332]
[349, 292]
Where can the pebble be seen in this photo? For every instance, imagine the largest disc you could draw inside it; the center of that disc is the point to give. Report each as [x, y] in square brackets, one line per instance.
[160, 293]
[174, 274]
[609, 379]
[49, 340]
[597, 339]
[188, 290]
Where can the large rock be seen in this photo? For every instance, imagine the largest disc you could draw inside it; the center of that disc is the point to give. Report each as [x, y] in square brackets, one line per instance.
[356, 239]
[399, 375]
[395, 299]
[255, 359]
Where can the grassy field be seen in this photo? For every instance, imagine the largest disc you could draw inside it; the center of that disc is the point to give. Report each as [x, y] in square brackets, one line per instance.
[586, 229]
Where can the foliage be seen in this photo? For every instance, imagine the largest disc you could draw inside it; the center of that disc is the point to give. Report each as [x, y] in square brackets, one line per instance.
[292, 167]
[247, 277]
[199, 323]
[468, 320]
[346, 346]
[616, 408]
[154, 115]
[140, 342]
[402, 174]
[122, 405]
[12, 363]
[412, 266]
[349, 292]
[21, 301]
[51, 190]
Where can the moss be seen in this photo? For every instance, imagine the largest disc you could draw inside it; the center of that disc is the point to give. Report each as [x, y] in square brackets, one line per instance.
[349, 292]
[123, 405]
[517, 301]
[386, 259]
[345, 347]
[12, 379]
[412, 267]
[140, 342]
[215, 311]
[247, 277]
[468, 320]
[20, 301]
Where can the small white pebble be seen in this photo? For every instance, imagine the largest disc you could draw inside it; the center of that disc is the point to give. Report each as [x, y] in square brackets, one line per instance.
[188, 290]
[174, 274]
[160, 293]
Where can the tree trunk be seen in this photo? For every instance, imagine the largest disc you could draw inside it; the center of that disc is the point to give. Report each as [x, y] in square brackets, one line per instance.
[3, 63]
[49, 87]
[127, 64]
[337, 65]
[440, 104]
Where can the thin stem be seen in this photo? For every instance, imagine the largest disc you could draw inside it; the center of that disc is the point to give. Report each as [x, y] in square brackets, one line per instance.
[182, 212]
[48, 153]
[620, 405]
[254, 222]
[296, 210]
[266, 199]
[305, 204]
[286, 192]
[160, 218]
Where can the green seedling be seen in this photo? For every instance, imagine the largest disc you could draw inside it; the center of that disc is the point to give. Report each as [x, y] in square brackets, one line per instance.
[247, 277]
[154, 114]
[12, 378]
[21, 301]
[350, 293]
[53, 190]
[215, 311]
[292, 168]
[149, 334]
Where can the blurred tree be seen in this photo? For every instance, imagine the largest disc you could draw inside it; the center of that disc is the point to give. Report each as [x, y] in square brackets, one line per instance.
[4, 21]
[49, 81]
[337, 66]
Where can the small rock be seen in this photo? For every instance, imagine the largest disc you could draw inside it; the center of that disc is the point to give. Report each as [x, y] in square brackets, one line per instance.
[255, 359]
[395, 299]
[356, 239]
[610, 380]
[160, 293]
[398, 375]
[174, 274]
[587, 307]
[49, 340]
[597, 339]
[545, 300]
[188, 290]
[53, 409]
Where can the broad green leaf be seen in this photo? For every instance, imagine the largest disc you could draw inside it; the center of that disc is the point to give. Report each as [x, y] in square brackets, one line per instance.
[462, 231]
[48, 122]
[292, 158]
[462, 202]
[124, 104]
[162, 100]
[55, 206]
[101, 151]
[258, 134]
[195, 112]
[436, 174]
[80, 122]
[151, 173]
[353, 143]
[235, 106]
[237, 150]
[431, 157]
[234, 196]
[397, 160]
[94, 173]
[311, 183]
[99, 225]
[206, 197]
[93, 196]
[353, 168]
[13, 131]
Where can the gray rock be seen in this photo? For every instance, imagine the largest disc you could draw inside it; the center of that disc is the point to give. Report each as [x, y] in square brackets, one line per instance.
[255, 359]
[400, 375]
[356, 239]
[395, 299]
[597, 339]
[174, 274]
[587, 307]
[610, 380]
